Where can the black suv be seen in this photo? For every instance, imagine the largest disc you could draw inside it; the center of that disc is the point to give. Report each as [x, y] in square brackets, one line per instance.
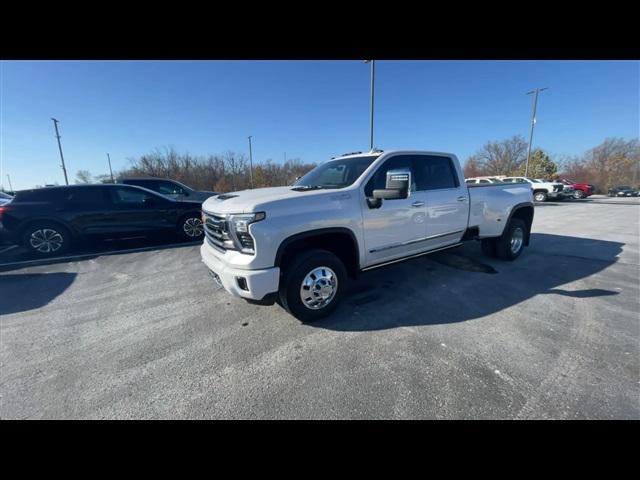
[47, 221]
[170, 188]
[622, 191]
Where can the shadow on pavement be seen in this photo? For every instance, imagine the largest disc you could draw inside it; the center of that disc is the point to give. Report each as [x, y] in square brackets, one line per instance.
[23, 292]
[456, 286]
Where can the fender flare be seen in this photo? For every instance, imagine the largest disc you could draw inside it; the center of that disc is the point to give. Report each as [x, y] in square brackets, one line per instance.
[316, 233]
[520, 206]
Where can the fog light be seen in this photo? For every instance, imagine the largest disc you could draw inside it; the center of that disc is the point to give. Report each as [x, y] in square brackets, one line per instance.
[242, 283]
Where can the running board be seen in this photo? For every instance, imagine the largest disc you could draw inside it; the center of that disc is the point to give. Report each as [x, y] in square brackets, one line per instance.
[410, 257]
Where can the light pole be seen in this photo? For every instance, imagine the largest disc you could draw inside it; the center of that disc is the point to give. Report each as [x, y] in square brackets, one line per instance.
[110, 171]
[55, 124]
[533, 122]
[9, 179]
[373, 74]
[250, 164]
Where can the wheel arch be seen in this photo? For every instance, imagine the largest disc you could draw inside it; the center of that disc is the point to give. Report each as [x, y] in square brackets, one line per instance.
[523, 211]
[340, 241]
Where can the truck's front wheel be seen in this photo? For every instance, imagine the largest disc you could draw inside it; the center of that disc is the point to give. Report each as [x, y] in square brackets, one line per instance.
[540, 196]
[313, 285]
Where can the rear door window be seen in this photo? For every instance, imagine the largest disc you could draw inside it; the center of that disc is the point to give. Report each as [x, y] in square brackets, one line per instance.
[435, 172]
[82, 198]
[130, 197]
[169, 188]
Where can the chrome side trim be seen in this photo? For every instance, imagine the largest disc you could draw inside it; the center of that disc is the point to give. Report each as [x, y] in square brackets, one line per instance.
[417, 240]
[409, 257]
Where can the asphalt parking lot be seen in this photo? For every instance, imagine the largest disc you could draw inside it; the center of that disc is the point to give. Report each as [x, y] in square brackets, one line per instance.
[145, 334]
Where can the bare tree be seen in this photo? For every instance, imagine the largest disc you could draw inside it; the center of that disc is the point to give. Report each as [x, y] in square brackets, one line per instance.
[83, 176]
[222, 173]
[503, 157]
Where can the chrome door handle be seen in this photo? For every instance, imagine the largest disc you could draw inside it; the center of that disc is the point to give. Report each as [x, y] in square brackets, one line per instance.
[462, 199]
[417, 204]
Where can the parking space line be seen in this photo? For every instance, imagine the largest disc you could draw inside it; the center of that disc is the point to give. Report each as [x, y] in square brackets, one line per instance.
[70, 258]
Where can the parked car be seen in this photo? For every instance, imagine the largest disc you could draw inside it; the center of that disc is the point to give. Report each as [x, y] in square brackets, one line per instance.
[300, 244]
[542, 190]
[48, 221]
[580, 190]
[482, 180]
[5, 198]
[622, 191]
[170, 188]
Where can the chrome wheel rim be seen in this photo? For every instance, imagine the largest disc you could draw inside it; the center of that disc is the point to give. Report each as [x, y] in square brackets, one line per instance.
[193, 227]
[318, 288]
[539, 197]
[46, 240]
[517, 238]
[577, 194]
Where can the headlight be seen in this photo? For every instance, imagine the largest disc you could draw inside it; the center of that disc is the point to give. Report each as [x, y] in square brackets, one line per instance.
[239, 229]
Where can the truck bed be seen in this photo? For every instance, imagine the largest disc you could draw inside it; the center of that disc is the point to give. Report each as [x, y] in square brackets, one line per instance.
[491, 203]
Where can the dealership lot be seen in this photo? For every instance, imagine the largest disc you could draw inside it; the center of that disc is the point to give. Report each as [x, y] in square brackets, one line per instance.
[145, 334]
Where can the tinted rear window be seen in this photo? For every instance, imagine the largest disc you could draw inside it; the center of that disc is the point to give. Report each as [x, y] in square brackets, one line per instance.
[40, 195]
[435, 172]
[84, 197]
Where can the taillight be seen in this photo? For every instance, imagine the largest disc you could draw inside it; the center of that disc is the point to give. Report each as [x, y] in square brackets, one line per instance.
[3, 209]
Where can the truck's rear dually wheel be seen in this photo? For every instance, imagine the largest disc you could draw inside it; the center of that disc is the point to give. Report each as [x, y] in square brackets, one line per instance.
[510, 245]
[313, 285]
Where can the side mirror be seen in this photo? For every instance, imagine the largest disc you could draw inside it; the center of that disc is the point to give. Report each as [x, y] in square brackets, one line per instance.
[396, 188]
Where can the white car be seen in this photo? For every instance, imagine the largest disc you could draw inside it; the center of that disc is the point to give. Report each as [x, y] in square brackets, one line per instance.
[541, 190]
[481, 180]
[300, 244]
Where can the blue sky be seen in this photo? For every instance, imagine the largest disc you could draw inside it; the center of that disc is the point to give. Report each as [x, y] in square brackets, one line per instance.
[309, 109]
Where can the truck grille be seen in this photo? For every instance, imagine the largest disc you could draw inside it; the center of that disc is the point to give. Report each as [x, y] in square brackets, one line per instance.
[216, 230]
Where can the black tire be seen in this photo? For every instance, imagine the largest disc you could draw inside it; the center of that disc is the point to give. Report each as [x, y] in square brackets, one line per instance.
[292, 282]
[504, 248]
[489, 247]
[578, 194]
[190, 227]
[46, 239]
[540, 196]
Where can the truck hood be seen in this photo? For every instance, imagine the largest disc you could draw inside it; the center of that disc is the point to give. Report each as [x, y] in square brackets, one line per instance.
[248, 201]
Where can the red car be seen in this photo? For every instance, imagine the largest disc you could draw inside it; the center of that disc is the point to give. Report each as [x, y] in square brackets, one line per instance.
[581, 190]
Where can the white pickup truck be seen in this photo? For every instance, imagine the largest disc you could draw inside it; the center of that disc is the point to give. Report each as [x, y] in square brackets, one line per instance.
[300, 244]
[542, 190]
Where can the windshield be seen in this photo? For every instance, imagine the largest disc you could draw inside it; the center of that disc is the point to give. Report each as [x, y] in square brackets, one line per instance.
[336, 173]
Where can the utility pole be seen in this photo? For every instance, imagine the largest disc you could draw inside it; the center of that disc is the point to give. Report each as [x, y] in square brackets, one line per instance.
[55, 124]
[373, 74]
[533, 122]
[110, 171]
[9, 179]
[250, 164]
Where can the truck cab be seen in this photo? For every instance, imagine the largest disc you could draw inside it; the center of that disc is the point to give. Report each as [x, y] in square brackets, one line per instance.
[300, 244]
